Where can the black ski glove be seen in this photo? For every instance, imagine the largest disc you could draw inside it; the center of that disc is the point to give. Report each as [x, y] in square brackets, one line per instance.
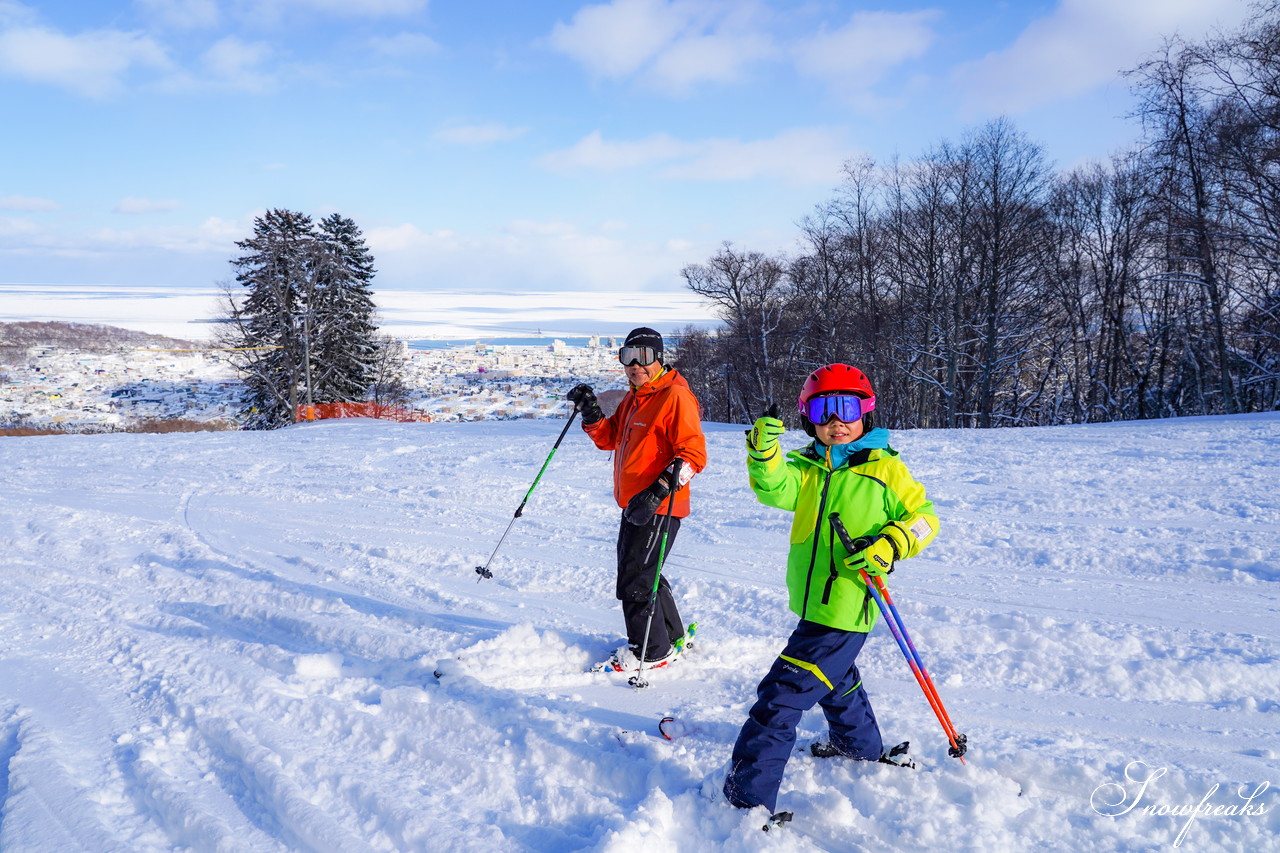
[640, 509]
[584, 400]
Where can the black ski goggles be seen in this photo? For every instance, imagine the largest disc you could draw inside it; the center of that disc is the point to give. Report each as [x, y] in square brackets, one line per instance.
[643, 356]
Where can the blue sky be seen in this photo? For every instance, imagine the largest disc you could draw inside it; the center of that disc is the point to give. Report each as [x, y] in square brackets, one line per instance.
[503, 145]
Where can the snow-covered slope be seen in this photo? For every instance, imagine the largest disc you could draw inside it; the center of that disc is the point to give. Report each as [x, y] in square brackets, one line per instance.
[227, 641]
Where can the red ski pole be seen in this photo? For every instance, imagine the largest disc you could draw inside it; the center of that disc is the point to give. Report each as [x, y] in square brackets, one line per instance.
[959, 743]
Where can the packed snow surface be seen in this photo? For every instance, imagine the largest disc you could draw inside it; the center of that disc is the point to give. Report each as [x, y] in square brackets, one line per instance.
[227, 641]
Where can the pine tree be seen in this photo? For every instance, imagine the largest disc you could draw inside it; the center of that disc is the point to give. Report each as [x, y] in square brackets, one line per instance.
[305, 332]
[274, 269]
[343, 346]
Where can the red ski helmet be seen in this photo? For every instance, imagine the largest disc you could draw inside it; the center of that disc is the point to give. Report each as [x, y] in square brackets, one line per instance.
[833, 379]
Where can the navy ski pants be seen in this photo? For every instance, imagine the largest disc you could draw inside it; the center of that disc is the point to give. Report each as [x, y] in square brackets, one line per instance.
[816, 668]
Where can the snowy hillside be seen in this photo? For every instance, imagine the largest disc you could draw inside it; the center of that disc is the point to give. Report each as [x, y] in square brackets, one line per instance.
[226, 641]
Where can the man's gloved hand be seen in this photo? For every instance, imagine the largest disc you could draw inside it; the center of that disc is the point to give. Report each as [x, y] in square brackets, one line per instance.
[762, 438]
[876, 558]
[584, 400]
[640, 509]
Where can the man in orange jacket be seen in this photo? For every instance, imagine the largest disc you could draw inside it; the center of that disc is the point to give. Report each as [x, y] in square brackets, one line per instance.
[657, 423]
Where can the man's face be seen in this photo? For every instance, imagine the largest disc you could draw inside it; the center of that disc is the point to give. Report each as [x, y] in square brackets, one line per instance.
[637, 374]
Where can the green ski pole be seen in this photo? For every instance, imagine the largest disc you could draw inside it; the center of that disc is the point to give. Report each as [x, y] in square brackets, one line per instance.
[483, 571]
[638, 680]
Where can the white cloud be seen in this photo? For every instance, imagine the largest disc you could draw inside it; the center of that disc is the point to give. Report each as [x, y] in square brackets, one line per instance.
[183, 14]
[14, 228]
[91, 64]
[801, 155]
[132, 205]
[526, 255]
[273, 12]
[234, 62]
[595, 154]
[671, 45]
[14, 14]
[1083, 44]
[479, 134]
[871, 43]
[717, 58]
[355, 8]
[214, 236]
[616, 39]
[404, 45]
[26, 203]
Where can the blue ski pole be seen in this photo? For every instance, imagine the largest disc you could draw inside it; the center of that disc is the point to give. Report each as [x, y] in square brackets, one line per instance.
[880, 592]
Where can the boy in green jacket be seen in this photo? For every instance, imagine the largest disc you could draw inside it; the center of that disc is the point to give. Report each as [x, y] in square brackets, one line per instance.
[849, 468]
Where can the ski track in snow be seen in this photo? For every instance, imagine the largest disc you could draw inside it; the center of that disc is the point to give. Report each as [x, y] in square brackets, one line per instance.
[227, 642]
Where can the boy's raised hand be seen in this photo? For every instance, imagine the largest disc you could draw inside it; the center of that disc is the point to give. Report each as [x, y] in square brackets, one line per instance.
[762, 438]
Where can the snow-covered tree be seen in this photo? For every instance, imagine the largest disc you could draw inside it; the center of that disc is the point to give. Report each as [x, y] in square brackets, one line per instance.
[303, 330]
[343, 346]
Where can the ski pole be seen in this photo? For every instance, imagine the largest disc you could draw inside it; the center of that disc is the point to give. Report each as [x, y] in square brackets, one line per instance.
[959, 741]
[483, 571]
[637, 680]
[880, 592]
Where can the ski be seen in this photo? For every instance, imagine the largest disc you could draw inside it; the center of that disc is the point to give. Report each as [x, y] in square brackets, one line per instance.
[896, 756]
[777, 821]
[623, 660]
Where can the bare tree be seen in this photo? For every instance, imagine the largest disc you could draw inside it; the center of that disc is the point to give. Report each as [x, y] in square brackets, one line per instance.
[748, 288]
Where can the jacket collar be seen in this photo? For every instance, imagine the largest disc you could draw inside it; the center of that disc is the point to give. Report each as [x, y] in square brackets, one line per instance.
[853, 454]
[663, 380]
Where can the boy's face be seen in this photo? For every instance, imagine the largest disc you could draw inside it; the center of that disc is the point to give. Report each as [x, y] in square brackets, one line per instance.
[836, 431]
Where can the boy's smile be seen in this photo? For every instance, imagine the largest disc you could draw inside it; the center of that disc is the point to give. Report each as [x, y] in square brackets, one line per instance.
[836, 431]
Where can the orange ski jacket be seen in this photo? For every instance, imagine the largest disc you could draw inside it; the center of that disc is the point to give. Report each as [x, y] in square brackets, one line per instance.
[654, 424]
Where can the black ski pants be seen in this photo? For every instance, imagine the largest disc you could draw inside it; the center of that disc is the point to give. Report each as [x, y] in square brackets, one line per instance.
[638, 548]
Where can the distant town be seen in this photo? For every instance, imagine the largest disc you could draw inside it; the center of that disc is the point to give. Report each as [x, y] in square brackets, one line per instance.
[66, 387]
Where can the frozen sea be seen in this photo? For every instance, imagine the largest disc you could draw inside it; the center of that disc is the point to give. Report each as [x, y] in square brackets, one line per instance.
[186, 312]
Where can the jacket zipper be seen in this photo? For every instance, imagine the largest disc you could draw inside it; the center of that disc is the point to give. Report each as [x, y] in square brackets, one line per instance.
[817, 538]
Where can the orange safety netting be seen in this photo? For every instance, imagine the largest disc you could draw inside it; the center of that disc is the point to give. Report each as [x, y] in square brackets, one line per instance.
[324, 411]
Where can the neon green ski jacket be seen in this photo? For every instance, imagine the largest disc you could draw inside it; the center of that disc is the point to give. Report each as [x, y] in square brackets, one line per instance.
[872, 489]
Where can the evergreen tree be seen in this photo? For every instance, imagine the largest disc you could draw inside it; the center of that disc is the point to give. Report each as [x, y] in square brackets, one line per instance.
[343, 345]
[305, 331]
[274, 270]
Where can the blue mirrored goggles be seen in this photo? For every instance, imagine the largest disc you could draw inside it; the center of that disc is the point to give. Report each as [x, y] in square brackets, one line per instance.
[845, 407]
[643, 356]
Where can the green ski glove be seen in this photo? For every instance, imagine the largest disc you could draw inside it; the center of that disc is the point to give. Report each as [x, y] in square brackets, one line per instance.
[762, 438]
[875, 559]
